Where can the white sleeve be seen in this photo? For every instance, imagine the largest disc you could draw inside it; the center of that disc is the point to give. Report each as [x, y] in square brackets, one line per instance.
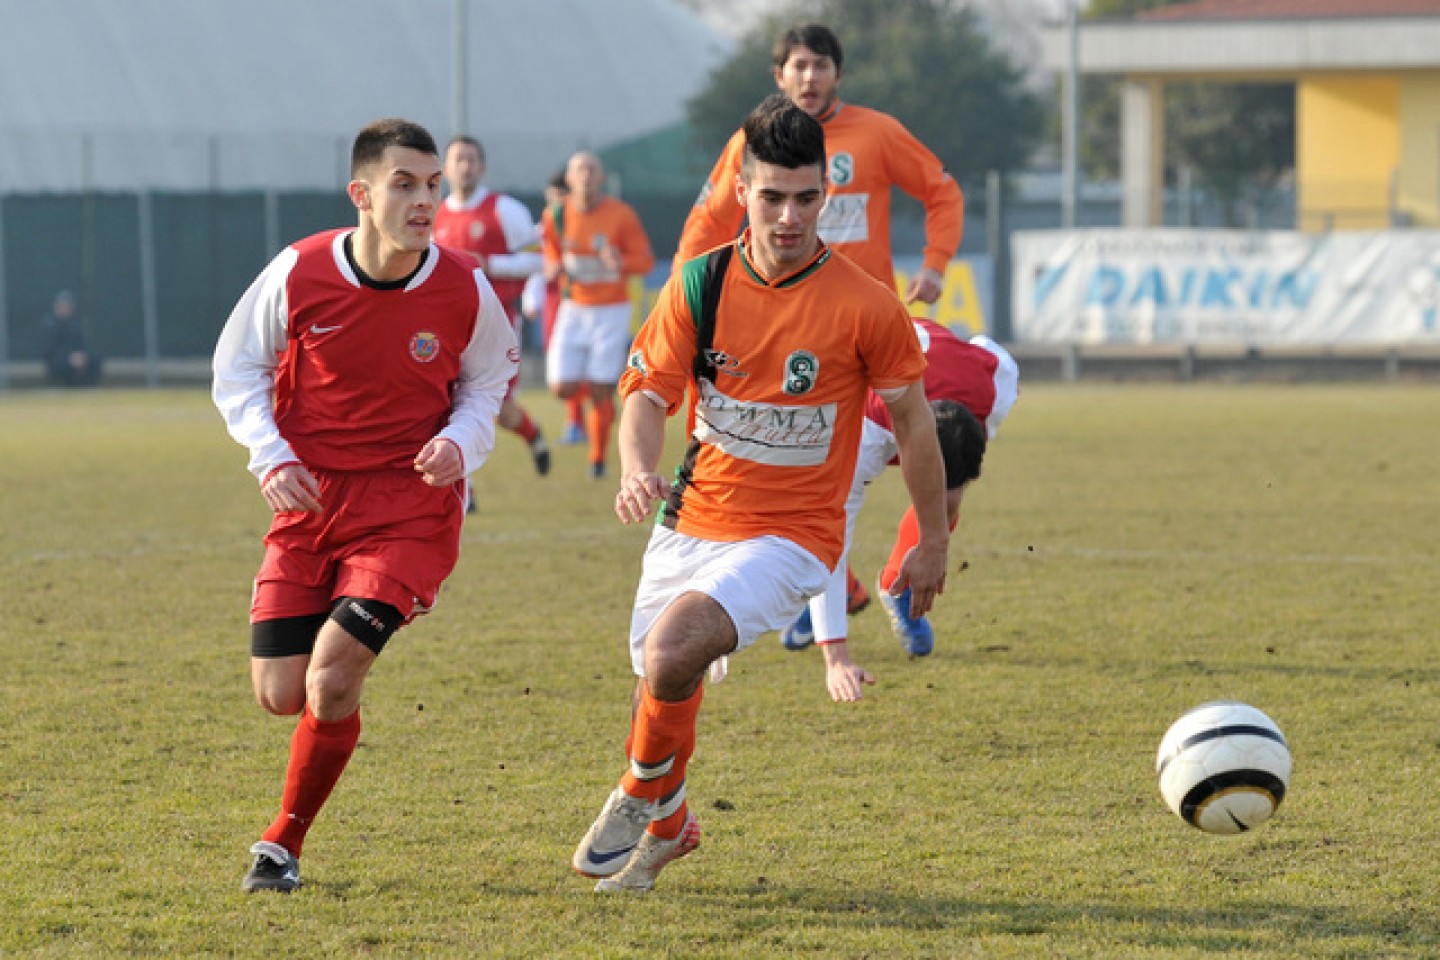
[532, 298]
[246, 356]
[522, 239]
[1007, 383]
[486, 366]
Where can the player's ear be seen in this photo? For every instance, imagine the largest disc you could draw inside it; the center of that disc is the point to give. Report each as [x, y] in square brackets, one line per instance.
[740, 190]
[359, 192]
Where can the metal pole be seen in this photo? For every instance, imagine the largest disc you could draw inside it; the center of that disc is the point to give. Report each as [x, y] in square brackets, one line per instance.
[1071, 121]
[4, 308]
[460, 53]
[147, 288]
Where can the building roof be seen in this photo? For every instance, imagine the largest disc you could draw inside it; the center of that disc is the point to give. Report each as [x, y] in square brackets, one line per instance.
[268, 94]
[1290, 10]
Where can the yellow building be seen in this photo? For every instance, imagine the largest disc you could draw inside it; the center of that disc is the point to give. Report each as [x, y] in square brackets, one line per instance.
[1367, 96]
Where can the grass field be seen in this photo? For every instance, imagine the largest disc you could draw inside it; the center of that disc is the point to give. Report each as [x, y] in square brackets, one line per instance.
[1130, 552]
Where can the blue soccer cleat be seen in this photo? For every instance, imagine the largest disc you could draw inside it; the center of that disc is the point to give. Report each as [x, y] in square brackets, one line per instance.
[800, 634]
[914, 633]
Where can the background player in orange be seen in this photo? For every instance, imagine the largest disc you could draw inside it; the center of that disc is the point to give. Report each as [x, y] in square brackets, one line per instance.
[498, 231]
[363, 370]
[869, 152]
[978, 384]
[593, 244]
[755, 519]
[540, 302]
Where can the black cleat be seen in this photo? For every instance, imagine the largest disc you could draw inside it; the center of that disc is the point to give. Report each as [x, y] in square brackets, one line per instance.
[540, 452]
[274, 869]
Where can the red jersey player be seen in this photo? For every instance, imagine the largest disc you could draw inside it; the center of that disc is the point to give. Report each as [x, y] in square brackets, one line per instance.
[499, 233]
[363, 369]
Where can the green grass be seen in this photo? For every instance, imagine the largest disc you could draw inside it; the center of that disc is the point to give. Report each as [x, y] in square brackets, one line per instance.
[1130, 552]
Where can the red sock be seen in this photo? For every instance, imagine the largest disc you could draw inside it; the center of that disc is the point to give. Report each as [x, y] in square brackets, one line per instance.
[906, 537]
[318, 754]
[527, 429]
[575, 410]
[663, 733]
[597, 424]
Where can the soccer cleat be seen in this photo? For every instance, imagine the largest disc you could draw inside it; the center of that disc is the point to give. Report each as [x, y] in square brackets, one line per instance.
[800, 633]
[573, 436]
[274, 869]
[611, 839]
[650, 857]
[597, 470]
[914, 633]
[857, 598]
[540, 452]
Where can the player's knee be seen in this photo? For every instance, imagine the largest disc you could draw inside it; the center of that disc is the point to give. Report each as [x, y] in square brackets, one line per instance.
[280, 705]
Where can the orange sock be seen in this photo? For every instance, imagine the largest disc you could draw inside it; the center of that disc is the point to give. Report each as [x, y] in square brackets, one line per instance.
[575, 410]
[906, 537]
[597, 424]
[663, 738]
[319, 752]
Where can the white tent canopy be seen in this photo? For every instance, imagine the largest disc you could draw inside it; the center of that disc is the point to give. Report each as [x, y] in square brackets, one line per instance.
[120, 95]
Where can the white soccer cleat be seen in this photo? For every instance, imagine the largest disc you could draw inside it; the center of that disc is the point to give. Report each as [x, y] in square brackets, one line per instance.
[650, 857]
[613, 836]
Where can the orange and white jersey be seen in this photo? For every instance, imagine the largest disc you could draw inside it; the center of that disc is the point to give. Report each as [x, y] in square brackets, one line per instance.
[577, 241]
[775, 437]
[868, 152]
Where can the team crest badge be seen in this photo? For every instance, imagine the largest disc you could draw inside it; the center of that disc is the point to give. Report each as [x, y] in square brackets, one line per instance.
[477, 229]
[424, 346]
[802, 368]
[637, 363]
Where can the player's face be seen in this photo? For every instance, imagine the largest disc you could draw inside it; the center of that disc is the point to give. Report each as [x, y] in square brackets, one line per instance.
[809, 79]
[463, 168]
[784, 208]
[584, 176]
[400, 193]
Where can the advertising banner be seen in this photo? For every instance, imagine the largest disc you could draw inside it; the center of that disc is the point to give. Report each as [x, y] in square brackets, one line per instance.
[1265, 288]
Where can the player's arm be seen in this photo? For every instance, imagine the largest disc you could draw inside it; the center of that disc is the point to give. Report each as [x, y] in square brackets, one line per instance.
[246, 356]
[923, 569]
[550, 249]
[918, 172]
[636, 256]
[522, 240]
[717, 216]
[641, 441]
[486, 366]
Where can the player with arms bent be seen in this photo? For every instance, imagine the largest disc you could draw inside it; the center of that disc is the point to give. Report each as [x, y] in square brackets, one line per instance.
[363, 369]
[778, 348]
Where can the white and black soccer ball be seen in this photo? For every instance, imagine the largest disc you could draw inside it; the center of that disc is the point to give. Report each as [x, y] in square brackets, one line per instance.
[1224, 767]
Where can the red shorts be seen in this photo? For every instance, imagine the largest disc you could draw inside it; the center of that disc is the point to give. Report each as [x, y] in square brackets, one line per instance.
[386, 536]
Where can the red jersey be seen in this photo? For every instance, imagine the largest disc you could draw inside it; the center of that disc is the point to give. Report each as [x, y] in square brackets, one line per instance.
[981, 378]
[316, 365]
[494, 226]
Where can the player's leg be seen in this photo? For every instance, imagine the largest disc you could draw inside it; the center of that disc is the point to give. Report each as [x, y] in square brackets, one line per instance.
[609, 348]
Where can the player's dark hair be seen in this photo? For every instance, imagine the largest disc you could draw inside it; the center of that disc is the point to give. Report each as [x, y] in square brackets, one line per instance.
[370, 142]
[815, 36]
[469, 141]
[557, 182]
[780, 133]
[962, 442]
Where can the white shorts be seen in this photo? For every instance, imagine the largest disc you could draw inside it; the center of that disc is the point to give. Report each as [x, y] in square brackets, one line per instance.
[762, 583]
[827, 611]
[588, 344]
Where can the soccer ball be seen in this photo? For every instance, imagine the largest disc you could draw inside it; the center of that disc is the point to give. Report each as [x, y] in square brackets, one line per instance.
[1224, 767]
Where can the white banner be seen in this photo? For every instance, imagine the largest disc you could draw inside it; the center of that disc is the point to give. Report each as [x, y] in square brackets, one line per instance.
[1222, 286]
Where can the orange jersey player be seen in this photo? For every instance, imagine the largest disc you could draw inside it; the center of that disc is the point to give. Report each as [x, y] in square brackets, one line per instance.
[868, 152]
[777, 342]
[593, 244]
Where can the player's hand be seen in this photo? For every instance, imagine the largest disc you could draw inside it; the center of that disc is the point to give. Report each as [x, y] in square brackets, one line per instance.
[291, 488]
[923, 571]
[925, 286]
[638, 493]
[439, 463]
[845, 679]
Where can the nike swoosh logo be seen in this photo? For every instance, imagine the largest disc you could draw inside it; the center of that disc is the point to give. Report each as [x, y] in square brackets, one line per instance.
[595, 856]
[319, 330]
